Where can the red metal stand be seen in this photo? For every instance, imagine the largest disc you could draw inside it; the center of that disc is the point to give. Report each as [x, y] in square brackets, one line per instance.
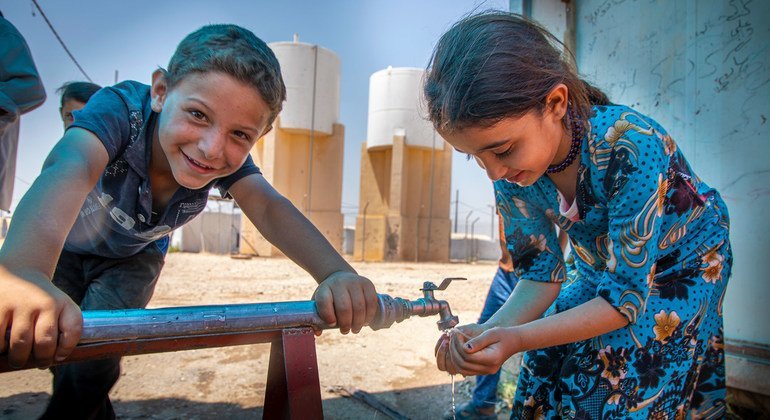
[293, 389]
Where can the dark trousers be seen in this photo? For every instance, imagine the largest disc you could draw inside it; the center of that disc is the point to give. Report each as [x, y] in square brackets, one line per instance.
[80, 390]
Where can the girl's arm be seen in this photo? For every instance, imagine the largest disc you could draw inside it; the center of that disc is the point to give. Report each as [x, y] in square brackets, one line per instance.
[343, 297]
[43, 320]
[529, 299]
[588, 320]
[485, 353]
[527, 302]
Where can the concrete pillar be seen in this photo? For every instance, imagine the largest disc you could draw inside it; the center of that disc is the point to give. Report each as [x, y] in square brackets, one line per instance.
[404, 204]
[310, 177]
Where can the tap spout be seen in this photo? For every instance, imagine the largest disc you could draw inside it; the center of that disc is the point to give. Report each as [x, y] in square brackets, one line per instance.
[393, 310]
[446, 319]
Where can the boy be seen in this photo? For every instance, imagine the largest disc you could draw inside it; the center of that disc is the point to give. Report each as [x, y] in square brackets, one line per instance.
[137, 162]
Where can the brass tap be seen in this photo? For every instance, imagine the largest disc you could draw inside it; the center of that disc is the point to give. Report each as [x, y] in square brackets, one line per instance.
[392, 310]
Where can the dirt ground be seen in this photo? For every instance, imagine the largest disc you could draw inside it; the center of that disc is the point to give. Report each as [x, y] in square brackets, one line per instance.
[395, 365]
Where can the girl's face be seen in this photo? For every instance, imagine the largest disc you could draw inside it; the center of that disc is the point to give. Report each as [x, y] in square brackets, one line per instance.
[207, 126]
[517, 149]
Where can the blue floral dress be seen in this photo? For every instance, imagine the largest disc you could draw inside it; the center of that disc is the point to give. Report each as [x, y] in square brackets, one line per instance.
[651, 239]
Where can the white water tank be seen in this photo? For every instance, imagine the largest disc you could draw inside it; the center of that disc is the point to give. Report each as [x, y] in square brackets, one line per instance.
[309, 69]
[396, 107]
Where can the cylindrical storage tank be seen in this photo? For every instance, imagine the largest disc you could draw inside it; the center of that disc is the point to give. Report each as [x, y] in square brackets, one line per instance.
[396, 107]
[309, 69]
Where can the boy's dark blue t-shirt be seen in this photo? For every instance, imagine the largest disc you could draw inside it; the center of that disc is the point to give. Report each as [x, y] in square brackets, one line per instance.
[116, 219]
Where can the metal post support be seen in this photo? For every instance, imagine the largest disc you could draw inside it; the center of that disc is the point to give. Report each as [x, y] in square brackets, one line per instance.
[457, 204]
[492, 209]
[363, 233]
[293, 388]
[473, 245]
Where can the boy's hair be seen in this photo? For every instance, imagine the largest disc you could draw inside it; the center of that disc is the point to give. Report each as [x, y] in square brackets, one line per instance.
[494, 65]
[235, 51]
[79, 91]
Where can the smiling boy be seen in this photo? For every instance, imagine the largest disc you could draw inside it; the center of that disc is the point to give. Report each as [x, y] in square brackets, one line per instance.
[137, 162]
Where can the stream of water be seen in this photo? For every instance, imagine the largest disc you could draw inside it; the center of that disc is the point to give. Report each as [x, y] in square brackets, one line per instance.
[454, 409]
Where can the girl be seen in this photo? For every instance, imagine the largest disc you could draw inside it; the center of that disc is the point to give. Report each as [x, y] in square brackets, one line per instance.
[639, 332]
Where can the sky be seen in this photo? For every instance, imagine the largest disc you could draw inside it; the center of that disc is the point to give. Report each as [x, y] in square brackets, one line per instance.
[134, 38]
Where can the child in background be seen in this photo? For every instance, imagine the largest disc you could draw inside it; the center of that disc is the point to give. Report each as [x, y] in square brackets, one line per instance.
[638, 334]
[74, 96]
[137, 162]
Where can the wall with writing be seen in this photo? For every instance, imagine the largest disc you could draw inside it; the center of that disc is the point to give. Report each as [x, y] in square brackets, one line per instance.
[702, 69]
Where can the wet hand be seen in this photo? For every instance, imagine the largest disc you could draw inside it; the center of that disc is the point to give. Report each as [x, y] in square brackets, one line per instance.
[44, 323]
[443, 345]
[346, 300]
[484, 354]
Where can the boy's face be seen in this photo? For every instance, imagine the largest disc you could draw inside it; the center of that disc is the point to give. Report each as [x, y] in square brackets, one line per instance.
[208, 124]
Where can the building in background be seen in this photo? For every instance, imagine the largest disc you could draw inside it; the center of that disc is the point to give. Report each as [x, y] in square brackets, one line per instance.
[302, 156]
[216, 230]
[403, 212]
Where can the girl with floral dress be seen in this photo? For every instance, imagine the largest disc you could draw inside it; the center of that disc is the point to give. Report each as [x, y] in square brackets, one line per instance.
[638, 333]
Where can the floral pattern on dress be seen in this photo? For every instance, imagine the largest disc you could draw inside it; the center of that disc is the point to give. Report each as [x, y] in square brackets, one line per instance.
[652, 240]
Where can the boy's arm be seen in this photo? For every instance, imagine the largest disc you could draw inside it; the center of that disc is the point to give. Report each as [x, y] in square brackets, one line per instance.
[45, 322]
[343, 297]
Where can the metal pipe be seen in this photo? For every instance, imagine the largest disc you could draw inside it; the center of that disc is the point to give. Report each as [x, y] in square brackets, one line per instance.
[113, 333]
[139, 324]
[130, 324]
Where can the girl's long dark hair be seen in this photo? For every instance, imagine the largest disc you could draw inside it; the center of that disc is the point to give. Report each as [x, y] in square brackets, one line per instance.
[495, 65]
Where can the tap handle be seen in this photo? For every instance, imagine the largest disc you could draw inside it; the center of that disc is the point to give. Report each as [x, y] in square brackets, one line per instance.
[428, 286]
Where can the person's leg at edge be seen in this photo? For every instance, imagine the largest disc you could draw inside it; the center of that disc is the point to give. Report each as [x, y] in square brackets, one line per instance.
[80, 390]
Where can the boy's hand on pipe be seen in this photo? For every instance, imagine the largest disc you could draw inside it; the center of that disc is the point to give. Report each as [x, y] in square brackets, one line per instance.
[44, 323]
[346, 300]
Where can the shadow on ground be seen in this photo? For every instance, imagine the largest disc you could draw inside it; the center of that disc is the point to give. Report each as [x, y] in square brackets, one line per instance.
[414, 403]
